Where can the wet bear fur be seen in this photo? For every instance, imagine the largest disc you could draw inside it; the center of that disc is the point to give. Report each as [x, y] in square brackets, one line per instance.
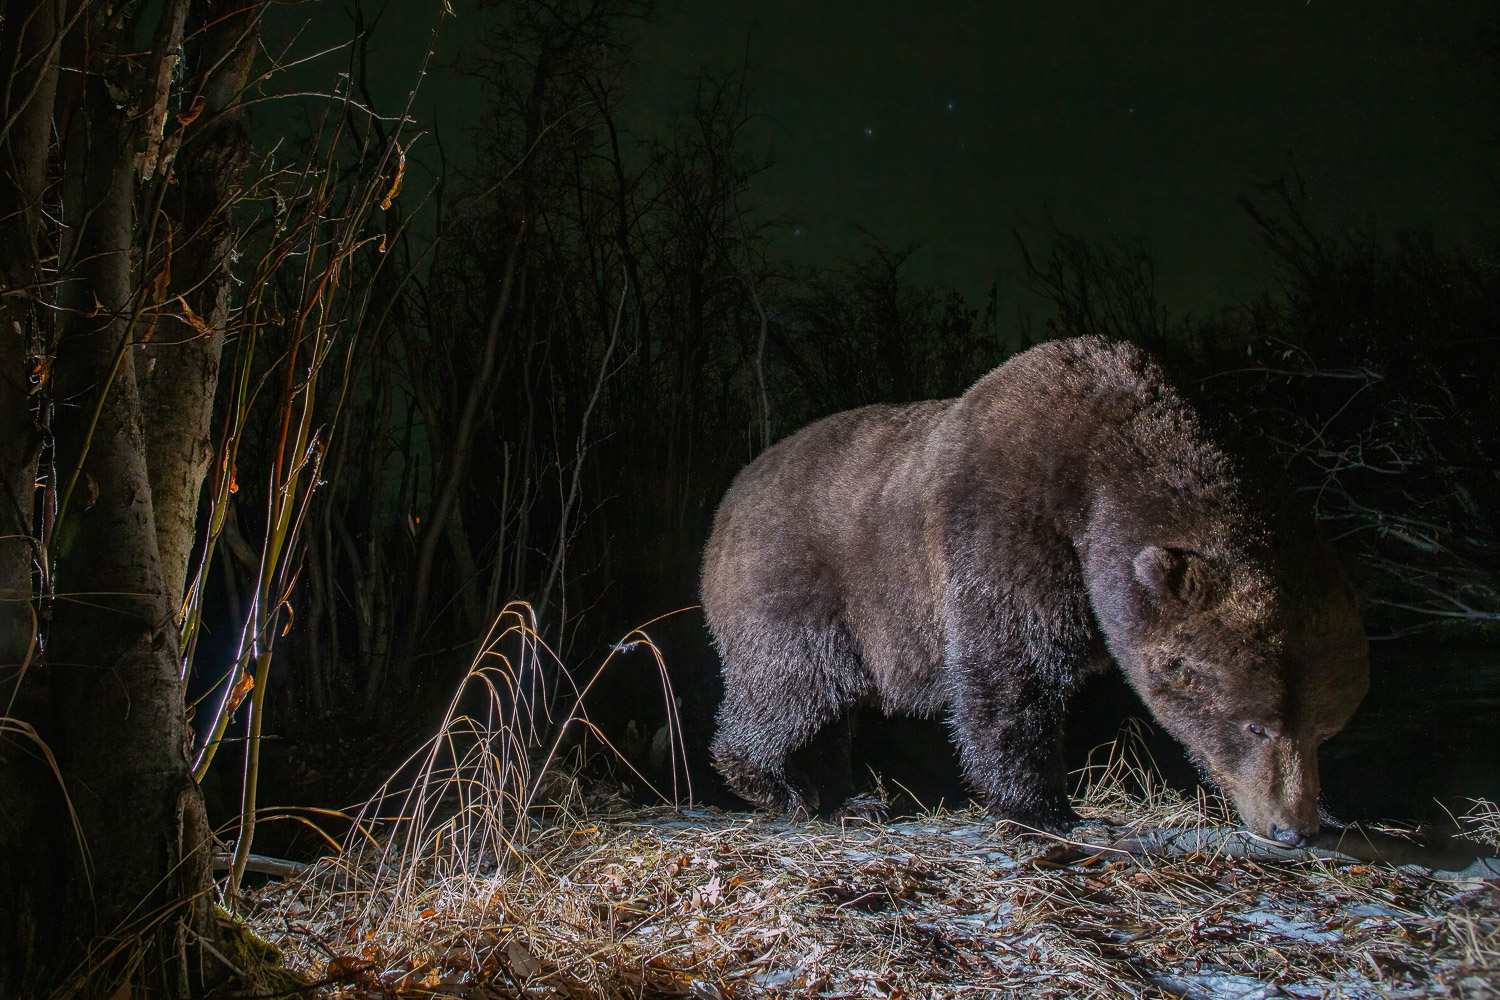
[978, 558]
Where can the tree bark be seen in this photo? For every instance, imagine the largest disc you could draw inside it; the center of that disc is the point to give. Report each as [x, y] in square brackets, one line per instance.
[28, 59]
[28, 799]
[118, 727]
[132, 391]
[181, 370]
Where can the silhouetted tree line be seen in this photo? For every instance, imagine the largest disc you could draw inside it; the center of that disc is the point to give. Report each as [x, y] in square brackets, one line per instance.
[568, 377]
[556, 394]
[1369, 377]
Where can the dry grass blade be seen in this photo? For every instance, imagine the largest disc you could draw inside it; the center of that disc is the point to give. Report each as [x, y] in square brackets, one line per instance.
[599, 900]
[1482, 822]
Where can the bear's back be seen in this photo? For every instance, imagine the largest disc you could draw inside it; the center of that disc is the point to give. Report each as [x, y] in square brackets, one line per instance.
[826, 493]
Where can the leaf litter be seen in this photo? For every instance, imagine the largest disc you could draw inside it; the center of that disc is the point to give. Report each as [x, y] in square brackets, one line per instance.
[610, 901]
[497, 873]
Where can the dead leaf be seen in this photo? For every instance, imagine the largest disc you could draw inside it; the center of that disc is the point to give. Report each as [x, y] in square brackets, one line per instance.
[242, 687]
[193, 320]
[521, 960]
[186, 118]
[396, 184]
[347, 967]
[41, 370]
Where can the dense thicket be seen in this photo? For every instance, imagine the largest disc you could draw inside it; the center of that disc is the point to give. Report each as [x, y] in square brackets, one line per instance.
[596, 344]
[142, 234]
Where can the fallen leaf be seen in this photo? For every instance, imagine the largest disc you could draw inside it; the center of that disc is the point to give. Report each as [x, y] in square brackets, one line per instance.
[521, 960]
[347, 967]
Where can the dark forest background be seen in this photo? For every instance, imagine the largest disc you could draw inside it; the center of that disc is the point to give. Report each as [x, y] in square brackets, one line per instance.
[436, 392]
[562, 374]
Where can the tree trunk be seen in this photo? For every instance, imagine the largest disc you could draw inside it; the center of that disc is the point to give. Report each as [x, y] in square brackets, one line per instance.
[181, 370]
[27, 33]
[131, 398]
[29, 803]
[117, 723]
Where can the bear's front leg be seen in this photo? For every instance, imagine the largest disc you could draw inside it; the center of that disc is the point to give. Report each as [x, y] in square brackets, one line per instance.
[1008, 725]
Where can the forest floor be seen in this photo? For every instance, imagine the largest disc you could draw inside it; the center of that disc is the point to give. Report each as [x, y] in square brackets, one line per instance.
[1159, 897]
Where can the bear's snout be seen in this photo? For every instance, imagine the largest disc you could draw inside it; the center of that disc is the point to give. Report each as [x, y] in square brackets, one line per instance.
[1290, 837]
[1276, 791]
[1291, 824]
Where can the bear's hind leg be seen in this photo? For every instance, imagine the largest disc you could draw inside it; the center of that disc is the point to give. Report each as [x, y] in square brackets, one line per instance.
[755, 762]
[777, 708]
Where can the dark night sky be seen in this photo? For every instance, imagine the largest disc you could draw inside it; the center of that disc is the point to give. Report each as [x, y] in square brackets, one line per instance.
[1142, 120]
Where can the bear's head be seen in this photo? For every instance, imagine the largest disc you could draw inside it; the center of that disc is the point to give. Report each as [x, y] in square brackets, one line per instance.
[1252, 663]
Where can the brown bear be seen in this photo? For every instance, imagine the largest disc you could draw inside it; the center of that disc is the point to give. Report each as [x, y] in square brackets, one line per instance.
[979, 557]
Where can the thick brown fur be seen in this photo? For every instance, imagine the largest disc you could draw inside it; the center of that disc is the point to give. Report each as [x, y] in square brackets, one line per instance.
[979, 557]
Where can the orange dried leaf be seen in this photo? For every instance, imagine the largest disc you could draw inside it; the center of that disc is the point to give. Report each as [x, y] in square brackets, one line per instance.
[396, 184]
[242, 687]
[41, 370]
[185, 118]
[347, 967]
[192, 319]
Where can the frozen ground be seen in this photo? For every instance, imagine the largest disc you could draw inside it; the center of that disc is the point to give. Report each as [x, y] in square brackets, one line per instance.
[706, 904]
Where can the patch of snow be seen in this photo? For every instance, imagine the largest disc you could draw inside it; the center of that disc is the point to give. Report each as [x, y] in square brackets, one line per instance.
[1215, 986]
[1297, 930]
[1378, 910]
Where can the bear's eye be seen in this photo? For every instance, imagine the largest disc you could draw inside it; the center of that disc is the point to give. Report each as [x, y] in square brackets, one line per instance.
[1256, 729]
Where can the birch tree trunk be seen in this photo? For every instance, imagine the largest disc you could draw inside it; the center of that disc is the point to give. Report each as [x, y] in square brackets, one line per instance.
[124, 382]
[118, 723]
[182, 359]
[27, 32]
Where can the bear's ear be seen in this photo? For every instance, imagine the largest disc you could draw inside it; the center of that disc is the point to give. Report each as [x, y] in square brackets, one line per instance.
[1175, 575]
